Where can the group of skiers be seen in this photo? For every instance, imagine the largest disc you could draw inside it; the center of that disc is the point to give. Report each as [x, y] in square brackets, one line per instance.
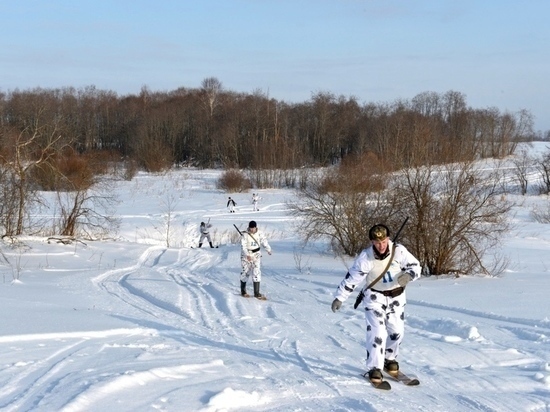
[384, 267]
[255, 200]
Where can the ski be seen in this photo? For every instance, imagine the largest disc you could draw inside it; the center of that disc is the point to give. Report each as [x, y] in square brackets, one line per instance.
[251, 296]
[381, 384]
[401, 377]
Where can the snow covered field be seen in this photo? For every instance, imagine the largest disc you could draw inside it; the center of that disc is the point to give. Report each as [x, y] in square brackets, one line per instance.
[134, 325]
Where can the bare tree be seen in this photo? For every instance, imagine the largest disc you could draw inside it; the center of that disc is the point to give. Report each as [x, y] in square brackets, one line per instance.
[8, 201]
[342, 205]
[523, 165]
[211, 88]
[35, 146]
[458, 215]
[343, 218]
[543, 166]
[169, 204]
[88, 212]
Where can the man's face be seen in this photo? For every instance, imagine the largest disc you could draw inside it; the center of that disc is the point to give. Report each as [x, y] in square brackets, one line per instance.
[381, 245]
[252, 229]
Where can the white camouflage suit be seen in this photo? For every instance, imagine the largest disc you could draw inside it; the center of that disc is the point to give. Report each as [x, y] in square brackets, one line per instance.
[255, 199]
[384, 315]
[250, 246]
[205, 232]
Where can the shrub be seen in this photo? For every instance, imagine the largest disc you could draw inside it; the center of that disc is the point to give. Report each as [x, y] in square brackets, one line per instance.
[233, 180]
[343, 203]
[459, 215]
[63, 171]
[363, 173]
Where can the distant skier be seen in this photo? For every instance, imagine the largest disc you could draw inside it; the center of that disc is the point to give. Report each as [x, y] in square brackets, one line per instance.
[231, 205]
[205, 233]
[255, 199]
[251, 239]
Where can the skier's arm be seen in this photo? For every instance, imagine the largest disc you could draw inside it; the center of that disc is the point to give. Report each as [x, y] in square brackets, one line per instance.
[410, 266]
[265, 243]
[355, 276]
[346, 287]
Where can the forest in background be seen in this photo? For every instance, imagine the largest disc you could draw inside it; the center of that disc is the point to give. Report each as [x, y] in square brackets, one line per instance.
[210, 127]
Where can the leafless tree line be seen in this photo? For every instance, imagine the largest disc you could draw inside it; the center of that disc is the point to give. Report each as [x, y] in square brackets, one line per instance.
[209, 126]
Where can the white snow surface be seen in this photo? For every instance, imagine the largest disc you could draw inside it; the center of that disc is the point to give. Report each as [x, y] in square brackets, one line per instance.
[132, 324]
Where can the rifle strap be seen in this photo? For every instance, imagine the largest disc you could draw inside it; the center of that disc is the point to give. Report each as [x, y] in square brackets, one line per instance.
[375, 281]
[250, 234]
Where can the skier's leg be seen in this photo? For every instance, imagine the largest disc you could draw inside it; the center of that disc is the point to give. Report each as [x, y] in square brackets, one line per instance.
[257, 293]
[243, 289]
[257, 275]
[395, 325]
[376, 334]
[245, 268]
[256, 268]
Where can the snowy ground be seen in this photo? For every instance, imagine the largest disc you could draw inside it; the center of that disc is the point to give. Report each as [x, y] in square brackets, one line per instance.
[134, 325]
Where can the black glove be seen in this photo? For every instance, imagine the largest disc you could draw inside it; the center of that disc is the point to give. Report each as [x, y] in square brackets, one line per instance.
[336, 305]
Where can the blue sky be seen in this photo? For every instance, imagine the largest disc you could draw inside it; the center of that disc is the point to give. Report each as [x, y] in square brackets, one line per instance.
[495, 52]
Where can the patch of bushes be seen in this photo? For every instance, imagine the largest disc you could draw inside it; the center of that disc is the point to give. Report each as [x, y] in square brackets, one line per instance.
[233, 180]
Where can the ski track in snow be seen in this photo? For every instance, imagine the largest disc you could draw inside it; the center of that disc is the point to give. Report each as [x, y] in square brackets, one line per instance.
[188, 331]
[190, 325]
[210, 312]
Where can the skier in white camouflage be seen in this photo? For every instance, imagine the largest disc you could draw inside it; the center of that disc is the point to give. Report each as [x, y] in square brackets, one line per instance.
[231, 205]
[205, 233]
[251, 240]
[384, 303]
[255, 199]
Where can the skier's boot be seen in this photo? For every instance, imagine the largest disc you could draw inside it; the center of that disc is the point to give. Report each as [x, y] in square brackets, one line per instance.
[200, 244]
[211, 245]
[375, 375]
[243, 290]
[391, 366]
[257, 293]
